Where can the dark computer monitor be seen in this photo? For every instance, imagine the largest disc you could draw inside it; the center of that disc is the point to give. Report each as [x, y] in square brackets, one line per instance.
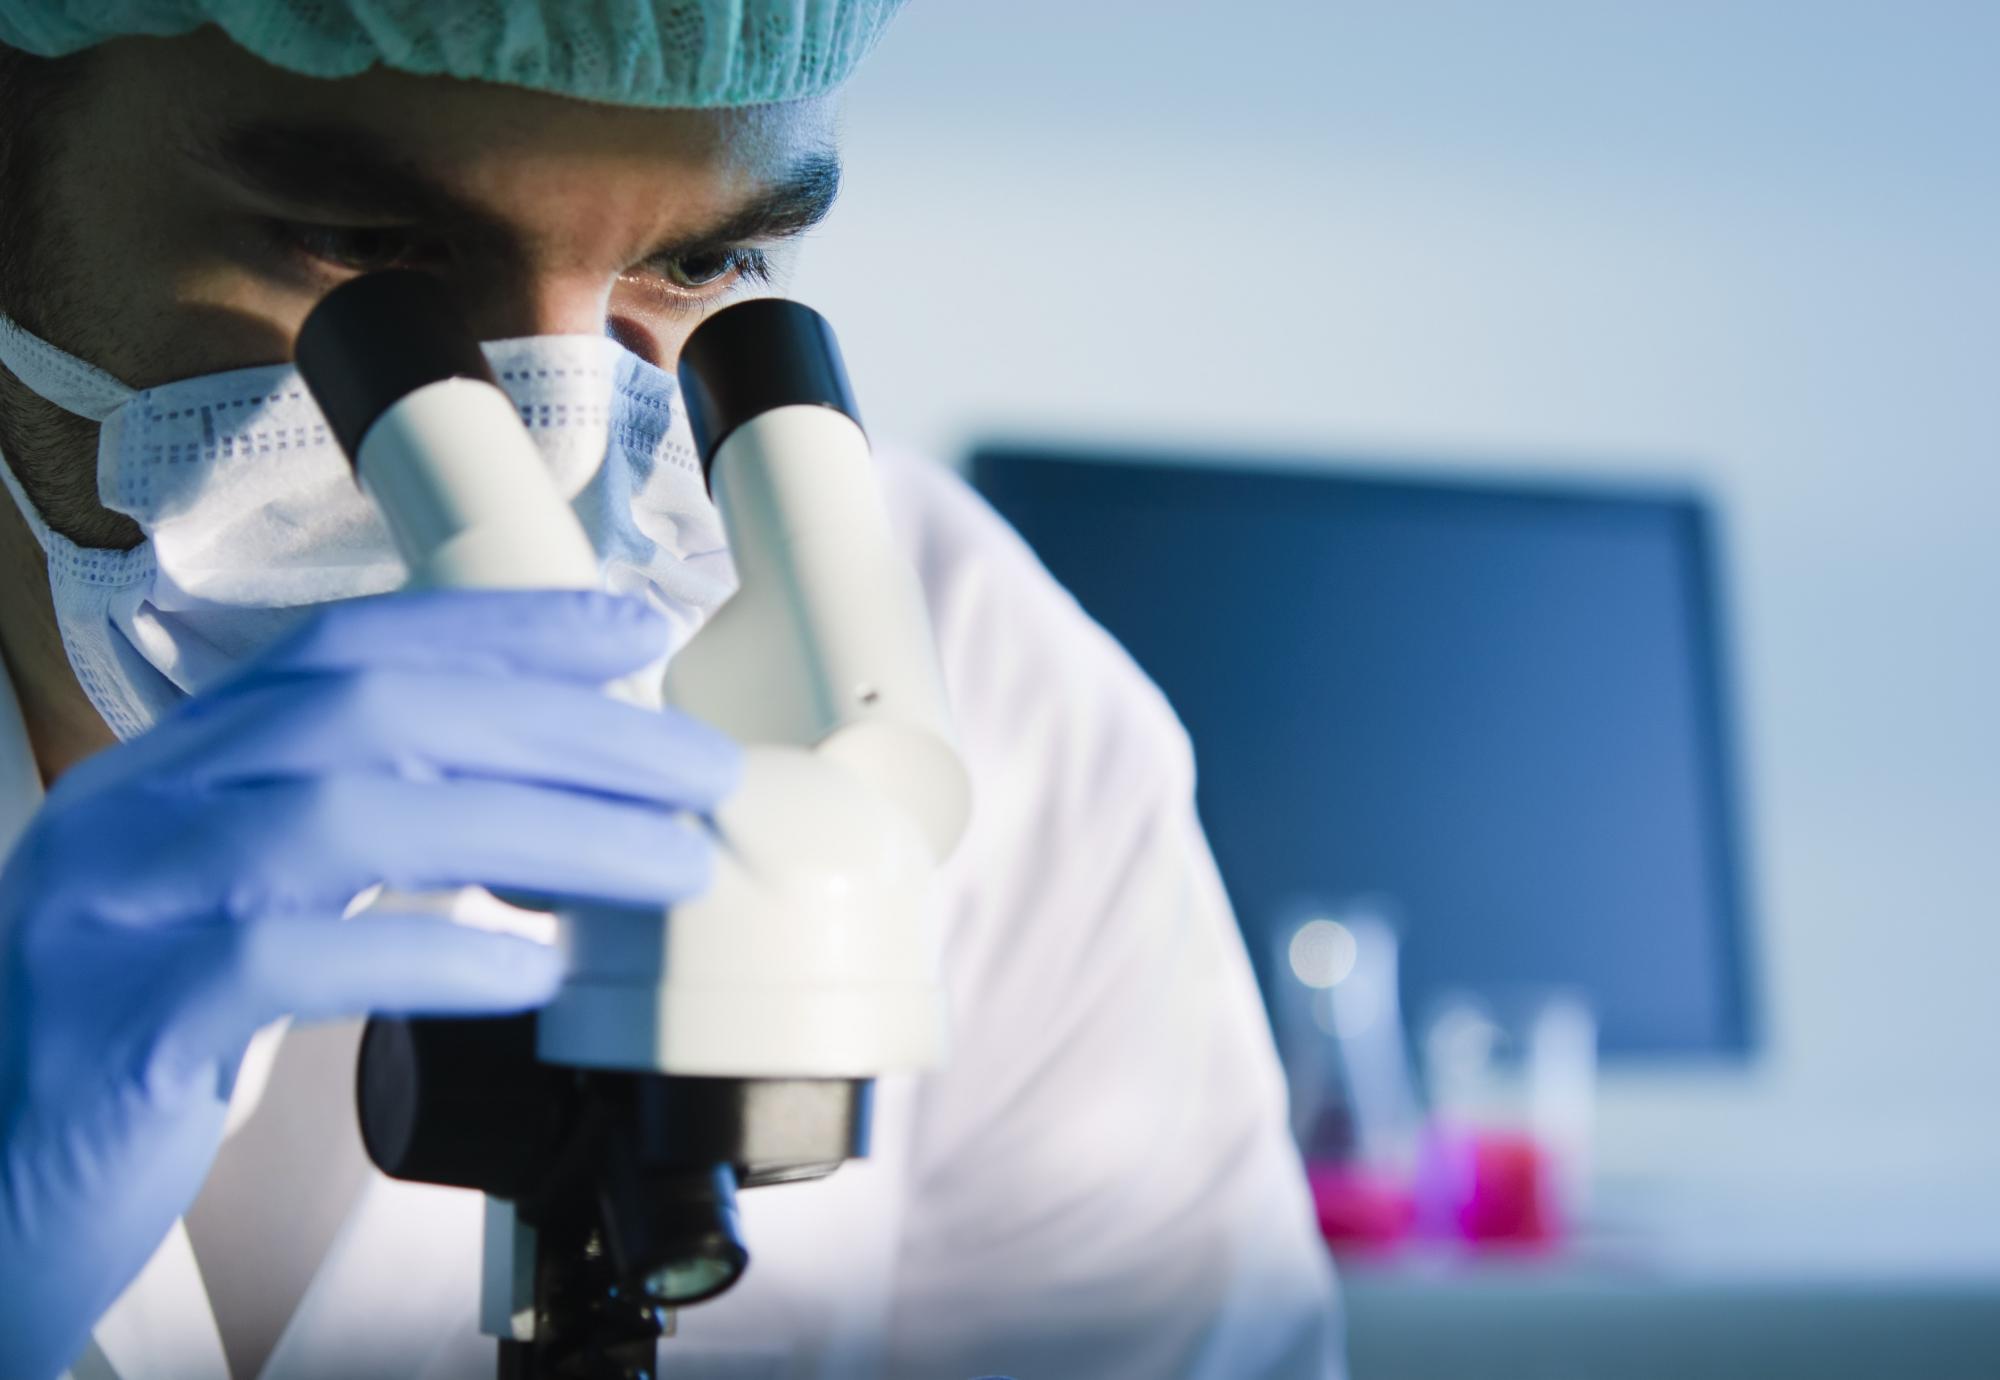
[1500, 705]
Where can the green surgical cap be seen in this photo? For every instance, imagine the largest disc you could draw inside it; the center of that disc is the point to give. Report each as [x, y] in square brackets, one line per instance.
[687, 53]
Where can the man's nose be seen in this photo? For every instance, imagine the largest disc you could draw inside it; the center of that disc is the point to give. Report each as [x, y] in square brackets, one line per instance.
[502, 308]
[556, 304]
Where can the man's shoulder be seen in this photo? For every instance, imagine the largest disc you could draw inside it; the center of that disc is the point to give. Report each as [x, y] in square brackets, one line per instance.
[1025, 664]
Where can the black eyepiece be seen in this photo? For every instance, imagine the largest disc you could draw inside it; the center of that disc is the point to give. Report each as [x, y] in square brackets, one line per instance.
[376, 339]
[758, 355]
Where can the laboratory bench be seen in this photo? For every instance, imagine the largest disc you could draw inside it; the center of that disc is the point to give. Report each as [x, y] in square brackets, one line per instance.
[1876, 1290]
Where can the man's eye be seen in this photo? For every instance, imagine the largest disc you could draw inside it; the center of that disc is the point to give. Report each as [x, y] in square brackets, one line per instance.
[708, 269]
[362, 248]
[700, 279]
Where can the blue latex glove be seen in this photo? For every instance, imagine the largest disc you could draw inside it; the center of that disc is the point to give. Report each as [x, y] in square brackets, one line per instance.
[181, 890]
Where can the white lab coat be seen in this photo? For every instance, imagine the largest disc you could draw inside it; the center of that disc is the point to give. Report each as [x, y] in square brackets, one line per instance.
[1100, 1184]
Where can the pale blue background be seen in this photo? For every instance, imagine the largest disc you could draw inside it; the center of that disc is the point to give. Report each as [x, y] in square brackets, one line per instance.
[1753, 244]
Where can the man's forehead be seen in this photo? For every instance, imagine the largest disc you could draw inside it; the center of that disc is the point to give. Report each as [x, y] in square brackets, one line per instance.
[495, 145]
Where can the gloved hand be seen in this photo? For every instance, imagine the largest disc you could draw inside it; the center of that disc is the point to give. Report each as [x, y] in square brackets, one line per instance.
[181, 890]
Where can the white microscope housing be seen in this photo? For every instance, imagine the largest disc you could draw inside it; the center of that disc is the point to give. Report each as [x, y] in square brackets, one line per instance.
[731, 1040]
[808, 956]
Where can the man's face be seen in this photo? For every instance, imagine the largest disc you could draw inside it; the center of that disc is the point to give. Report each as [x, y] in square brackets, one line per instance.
[194, 203]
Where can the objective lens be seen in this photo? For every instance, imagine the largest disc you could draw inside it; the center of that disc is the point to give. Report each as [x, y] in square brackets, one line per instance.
[680, 1235]
[690, 1281]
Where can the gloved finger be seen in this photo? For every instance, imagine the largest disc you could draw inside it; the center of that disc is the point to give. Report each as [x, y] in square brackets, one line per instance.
[309, 846]
[586, 636]
[431, 725]
[248, 974]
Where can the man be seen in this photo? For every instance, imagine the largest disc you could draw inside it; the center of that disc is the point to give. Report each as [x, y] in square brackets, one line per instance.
[1099, 1184]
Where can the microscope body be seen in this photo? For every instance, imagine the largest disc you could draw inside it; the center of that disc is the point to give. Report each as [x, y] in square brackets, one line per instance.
[732, 1041]
[807, 956]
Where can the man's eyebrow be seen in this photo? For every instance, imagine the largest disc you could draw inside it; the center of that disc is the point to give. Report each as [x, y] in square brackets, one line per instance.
[791, 206]
[344, 171]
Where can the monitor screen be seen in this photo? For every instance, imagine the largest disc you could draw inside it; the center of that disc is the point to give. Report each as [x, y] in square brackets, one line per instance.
[1498, 706]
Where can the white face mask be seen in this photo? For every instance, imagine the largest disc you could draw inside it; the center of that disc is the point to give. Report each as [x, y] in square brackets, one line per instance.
[252, 517]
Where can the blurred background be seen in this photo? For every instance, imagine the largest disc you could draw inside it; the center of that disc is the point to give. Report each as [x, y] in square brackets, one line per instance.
[1695, 307]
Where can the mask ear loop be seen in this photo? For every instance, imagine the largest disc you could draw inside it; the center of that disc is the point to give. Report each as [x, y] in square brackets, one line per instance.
[58, 376]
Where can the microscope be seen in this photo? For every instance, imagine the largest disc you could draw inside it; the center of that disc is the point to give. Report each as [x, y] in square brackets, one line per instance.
[732, 1041]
